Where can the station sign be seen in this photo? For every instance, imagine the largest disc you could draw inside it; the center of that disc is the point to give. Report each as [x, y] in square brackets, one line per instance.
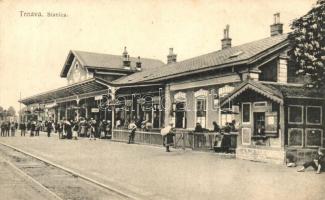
[99, 97]
[94, 110]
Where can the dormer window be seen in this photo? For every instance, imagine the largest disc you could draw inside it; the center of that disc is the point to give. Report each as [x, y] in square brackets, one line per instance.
[77, 65]
[234, 55]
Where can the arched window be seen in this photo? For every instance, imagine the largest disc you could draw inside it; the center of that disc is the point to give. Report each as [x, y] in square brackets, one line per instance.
[179, 110]
[201, 107]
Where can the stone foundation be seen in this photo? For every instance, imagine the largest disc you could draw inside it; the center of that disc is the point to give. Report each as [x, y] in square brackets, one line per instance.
[261, 154]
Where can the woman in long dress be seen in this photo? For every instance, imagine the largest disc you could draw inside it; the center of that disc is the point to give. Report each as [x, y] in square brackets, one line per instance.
[75, 129]
[168, 136]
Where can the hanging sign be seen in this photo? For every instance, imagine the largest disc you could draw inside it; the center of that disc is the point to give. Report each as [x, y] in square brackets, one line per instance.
[94, 110]
[98, 97]
[128, 102]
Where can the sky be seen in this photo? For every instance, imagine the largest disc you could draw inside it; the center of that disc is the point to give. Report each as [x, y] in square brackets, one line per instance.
[34, 49]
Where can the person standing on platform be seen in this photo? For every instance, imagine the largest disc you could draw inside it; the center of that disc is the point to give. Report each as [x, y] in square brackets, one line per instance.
[29, 125]
[49, 128]
[102, 129]
[22, 129]
[7, 128]
[37, 128]
[2, 124]
[92, 124]
[60, 129]
[32, 128]
[75, 130]
[168, 136]
[108, 129]
[13, 129]
[68, 128]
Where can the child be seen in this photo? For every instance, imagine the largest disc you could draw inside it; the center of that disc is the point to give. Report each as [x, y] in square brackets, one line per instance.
[318, 163]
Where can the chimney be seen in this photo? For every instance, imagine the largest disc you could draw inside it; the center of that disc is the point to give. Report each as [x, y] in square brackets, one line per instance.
[138, 64]
[276, 27]
[226, 41]
[171, 57]
[126, 59]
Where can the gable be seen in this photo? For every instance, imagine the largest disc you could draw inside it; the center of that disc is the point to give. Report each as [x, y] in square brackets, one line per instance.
[77, 72]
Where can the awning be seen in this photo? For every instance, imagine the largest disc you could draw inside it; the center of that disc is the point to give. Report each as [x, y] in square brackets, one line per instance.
[83, 89]
[270, 93]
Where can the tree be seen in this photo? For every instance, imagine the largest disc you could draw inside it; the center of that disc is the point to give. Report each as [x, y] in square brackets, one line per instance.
[11, 111]
[1, 112]
[308, 45]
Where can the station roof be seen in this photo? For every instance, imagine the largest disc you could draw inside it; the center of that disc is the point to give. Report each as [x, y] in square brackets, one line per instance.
[92, 60]
[73, 90]
[242, 54]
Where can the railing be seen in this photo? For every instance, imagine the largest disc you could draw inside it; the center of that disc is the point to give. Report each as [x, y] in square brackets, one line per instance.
[141, 137]
[183, 138]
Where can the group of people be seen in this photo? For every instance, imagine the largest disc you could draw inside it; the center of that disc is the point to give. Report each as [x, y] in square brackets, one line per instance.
[66, 129]
[143, 124]
[72, 129]
[222, 140]
[8, 128]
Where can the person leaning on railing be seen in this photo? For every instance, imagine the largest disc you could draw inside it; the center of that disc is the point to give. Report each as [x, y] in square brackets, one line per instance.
[199, 131]
[226, 140]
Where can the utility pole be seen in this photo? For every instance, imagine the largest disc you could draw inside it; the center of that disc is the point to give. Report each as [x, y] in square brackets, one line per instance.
[20, 117]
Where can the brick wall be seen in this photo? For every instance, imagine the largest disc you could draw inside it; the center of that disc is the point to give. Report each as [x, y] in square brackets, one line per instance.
[269, 155]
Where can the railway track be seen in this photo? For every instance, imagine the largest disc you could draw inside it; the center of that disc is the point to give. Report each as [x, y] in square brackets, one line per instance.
[61, 183]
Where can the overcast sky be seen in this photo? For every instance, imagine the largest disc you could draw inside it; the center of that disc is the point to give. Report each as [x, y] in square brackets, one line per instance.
[33, 49]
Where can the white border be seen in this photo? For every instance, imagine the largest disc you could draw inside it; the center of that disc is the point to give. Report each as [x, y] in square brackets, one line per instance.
[302, 114]
[250, 136]
[250, 113]
[322, 137]
[321, 115]
[302, 142]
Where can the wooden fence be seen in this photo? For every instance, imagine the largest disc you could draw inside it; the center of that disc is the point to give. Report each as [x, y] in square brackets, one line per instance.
[183, 138]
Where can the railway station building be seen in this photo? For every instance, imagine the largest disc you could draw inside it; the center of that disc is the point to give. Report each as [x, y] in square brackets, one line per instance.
[254, 84]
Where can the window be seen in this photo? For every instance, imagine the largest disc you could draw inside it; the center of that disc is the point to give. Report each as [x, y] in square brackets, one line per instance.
[180, 114]
[295, 114]
[246, 113]
[259, 123]
[295, 137]
[201, 111]
[314, 137]
[314, 114]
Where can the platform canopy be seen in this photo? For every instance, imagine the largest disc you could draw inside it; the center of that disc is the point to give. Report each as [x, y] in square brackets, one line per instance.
[83, 89]
[270, 93]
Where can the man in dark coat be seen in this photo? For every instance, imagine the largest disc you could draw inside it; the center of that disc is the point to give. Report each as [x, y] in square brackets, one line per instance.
[49, 128]
[22, 129]
[32, 128]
